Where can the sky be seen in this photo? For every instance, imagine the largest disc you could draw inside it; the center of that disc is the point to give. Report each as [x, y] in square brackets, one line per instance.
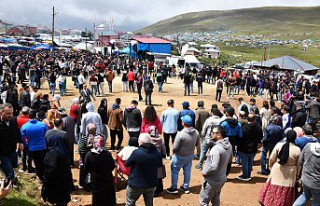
[128, 15]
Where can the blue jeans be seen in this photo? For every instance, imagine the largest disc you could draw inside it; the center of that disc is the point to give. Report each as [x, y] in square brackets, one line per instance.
[177, 163]
[191, 87]
[159, 86]
[61, 88]
[186, 89]
[247, 162]
[204, 149]
[105, 133]
[52, 88]
[110, 87]
[9, 162]
[32, 80]
[263, 160]
[306, 195]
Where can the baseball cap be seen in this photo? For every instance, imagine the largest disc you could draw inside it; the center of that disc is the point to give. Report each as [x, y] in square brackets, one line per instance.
[187, 119]
[185, 104]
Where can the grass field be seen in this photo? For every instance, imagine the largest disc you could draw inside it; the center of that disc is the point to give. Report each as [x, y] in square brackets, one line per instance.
[27, 193]
[239, 54]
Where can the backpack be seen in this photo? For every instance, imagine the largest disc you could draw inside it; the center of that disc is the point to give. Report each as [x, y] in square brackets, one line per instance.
[148, 87]
[199, 78]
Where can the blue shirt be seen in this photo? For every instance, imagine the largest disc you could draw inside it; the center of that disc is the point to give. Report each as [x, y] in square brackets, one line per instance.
[182, 114]
[34, 131]
[169, 119]
[301, 142]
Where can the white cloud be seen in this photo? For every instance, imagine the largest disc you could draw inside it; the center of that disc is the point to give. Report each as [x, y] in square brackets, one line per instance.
[128, 14]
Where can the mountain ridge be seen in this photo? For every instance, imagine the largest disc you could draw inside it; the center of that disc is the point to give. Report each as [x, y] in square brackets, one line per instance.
[258, 20]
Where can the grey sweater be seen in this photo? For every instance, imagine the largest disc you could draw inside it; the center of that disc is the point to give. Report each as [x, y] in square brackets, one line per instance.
[185, 142]
[215, 167]
[310, 159]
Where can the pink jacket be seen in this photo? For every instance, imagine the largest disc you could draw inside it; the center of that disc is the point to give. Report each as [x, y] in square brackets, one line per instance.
[145, 125]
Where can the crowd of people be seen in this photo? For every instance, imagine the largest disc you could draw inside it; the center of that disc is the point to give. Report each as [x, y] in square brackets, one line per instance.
[46, 132]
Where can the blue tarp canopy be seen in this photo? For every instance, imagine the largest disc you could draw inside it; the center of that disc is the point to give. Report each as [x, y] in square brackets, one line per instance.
[156, 48]
[8, 40]
[125, 51]
[41, 47]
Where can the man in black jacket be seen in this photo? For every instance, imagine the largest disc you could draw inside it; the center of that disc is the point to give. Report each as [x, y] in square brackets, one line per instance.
[10, 136]
[248, 146]
[299, 117]
[25, 97]
[13, 99]
[132, 119]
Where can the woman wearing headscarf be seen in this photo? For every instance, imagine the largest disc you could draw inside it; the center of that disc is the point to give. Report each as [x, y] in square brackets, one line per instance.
[74, 109]
[100, 164]
[157, 141]
[83, 149]
[103, 111]
[280, 187]
[57, 174]
[56, 102]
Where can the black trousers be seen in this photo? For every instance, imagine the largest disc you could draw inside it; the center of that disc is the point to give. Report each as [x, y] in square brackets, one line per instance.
[38, 157]
[72, 155]
[218, 95]
[131, 87]
[134, 134]
[113, 134]
[25, 156]
[166, 141]
[200, 88]
[80, 87]
[148, 98]
[82, 173]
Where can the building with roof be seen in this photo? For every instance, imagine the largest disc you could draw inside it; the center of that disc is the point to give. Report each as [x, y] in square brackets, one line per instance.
[152, 44]
[211, 51]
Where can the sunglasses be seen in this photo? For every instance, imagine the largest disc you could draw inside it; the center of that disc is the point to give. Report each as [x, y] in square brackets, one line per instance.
[216, 132]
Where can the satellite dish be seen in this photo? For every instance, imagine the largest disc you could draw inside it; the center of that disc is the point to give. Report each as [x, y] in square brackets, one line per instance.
[184, 49]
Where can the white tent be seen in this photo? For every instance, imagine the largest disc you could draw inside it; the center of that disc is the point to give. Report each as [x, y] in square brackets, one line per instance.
[84, 46]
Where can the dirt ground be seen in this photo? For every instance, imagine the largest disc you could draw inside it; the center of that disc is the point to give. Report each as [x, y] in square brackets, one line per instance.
[234, 192]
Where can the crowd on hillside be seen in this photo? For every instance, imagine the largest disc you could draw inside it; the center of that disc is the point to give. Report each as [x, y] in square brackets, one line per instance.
[46, 132]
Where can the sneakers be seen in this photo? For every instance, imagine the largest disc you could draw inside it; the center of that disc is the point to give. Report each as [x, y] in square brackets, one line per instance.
[168, 157]
[199, 167]
[263, 173]
[196, 157]
[186, 191]
[172, 191]
[243, 178]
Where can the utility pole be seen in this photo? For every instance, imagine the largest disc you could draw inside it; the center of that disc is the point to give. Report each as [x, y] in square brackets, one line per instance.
[53, 16]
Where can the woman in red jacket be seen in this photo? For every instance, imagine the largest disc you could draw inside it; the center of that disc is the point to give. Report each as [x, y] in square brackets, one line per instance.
[150, 118]
[74, 109]
[130, 77]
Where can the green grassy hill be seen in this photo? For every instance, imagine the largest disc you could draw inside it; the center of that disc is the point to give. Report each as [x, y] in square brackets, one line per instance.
[264, 20]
